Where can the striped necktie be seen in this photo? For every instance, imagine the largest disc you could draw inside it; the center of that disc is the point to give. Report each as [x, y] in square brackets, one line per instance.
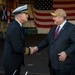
[56, 32]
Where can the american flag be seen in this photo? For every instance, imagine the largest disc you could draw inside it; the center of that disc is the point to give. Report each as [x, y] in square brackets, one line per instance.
[42, 9]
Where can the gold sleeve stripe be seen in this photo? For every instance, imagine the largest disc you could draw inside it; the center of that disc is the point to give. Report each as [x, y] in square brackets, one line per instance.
[26, 51]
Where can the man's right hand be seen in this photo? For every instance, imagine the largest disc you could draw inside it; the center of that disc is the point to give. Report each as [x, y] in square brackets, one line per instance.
[33, 49]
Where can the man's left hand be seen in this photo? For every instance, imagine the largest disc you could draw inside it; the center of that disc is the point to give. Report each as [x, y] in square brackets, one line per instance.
[62, 56]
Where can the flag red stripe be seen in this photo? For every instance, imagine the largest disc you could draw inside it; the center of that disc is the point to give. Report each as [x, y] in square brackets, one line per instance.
[68, 8]
[70, 14]
[64, 2]
[8, 17]
[42, 14]
[44, 20]
[71, 19]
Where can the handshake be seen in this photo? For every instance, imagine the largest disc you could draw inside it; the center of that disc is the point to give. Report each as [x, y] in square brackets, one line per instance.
[30, 50]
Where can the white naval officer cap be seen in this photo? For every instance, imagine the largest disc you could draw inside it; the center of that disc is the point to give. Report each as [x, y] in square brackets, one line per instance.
[21, 9]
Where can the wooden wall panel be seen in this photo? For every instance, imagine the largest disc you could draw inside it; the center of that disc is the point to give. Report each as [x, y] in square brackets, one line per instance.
[11, 3]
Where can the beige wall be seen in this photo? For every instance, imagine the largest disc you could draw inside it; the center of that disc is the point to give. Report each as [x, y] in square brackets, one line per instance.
[72, 22]
[29, 23]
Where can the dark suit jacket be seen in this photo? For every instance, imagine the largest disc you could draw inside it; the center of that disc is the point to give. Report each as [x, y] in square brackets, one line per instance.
[14, 46]
[65, 41]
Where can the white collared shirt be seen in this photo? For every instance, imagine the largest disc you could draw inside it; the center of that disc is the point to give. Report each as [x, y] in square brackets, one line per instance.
[62, 25]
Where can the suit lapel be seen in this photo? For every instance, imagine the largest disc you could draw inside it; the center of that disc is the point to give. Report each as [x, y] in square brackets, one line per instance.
[60, 33]
[62, 30]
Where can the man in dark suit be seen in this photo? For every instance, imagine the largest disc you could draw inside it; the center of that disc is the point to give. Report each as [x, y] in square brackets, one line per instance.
[61, 44]
[14, 49]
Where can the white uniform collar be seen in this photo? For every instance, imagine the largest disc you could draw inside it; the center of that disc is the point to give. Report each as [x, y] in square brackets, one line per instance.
[19, 22]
